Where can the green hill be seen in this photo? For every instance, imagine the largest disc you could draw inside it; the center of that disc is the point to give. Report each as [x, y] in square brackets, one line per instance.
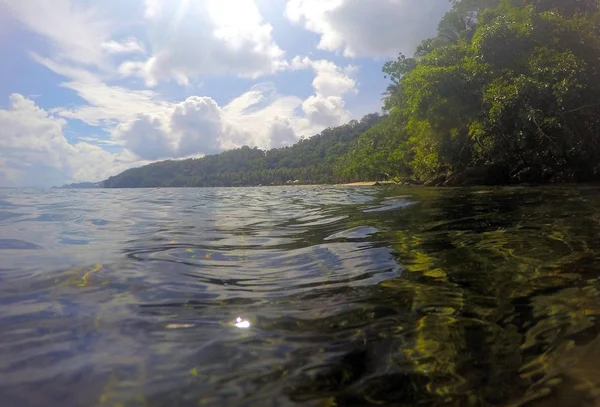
[311, 160]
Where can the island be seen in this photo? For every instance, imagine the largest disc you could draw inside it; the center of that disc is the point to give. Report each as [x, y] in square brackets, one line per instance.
[82, 185]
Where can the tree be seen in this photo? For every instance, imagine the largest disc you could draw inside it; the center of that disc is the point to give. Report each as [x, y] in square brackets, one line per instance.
[510, 83]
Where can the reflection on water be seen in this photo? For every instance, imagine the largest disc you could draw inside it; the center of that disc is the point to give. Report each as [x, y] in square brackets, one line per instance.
[324, 296]
[242, 323]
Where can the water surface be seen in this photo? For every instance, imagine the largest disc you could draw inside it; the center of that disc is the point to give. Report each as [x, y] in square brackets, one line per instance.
[300, 296]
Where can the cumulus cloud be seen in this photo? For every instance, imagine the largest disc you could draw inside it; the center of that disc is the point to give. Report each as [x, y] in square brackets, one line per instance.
[374, 28]
[199, 126]
[147, 137]
[327, 106]
[325, 111]
[281, 132]
[330, 79]
[259, 117]
[193, 127]
[258, 114]
[34, 151]
[206, 37]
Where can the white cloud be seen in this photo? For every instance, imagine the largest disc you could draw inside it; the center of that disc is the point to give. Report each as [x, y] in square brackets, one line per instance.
[200, 123]
[194, 127]
[130, 45]
[281, 132]
[34, 151]
[324, 111]
[96, 55]
[373, 28]
[88, 162]
[259, 113]
[326, 107]
[106, 105]
[330, 79]
[20, 126]
[147, 137]
[74, 32]
[219, 37]
[186, 38]
[199, 126]
[153, 128]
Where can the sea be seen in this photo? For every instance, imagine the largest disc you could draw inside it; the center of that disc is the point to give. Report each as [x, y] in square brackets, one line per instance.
[300, 296]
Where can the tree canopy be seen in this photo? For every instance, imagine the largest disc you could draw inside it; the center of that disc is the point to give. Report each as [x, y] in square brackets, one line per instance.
[512, 83]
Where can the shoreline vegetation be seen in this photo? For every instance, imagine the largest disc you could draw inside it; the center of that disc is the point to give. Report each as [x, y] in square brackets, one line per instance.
[507, 92]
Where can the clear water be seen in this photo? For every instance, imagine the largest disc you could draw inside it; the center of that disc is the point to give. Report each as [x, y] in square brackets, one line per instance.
[311, 296]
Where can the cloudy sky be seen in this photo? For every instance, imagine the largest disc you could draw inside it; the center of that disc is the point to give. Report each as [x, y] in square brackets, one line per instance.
[89, 88]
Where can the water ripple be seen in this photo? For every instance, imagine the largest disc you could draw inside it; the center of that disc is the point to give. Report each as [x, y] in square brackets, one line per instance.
[298, 296]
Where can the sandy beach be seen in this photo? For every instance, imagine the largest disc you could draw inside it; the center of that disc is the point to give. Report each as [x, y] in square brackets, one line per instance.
[367, 183]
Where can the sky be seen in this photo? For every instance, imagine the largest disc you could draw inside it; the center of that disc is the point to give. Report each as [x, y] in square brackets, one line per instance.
[89, 88]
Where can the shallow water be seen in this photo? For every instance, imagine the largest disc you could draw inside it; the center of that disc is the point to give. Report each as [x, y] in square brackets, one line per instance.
[316, 296]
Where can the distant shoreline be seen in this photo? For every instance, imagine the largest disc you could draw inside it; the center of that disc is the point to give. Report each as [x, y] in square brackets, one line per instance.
[367, 183]
[350, 184]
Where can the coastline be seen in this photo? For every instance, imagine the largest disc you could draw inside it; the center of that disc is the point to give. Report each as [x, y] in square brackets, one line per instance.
[367, 184]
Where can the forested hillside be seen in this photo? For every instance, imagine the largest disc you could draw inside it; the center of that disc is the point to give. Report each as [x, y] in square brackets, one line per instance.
[508, 91]
[309, 161]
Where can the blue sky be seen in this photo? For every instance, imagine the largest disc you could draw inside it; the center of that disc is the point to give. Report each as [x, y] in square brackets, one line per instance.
[90, 88]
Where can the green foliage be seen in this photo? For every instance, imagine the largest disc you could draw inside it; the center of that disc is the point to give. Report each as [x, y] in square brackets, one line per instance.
[513, 83]
[309, 161]
[376, 154]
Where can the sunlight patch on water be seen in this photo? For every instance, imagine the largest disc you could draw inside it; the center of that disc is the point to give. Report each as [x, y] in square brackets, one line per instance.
[242, 323]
